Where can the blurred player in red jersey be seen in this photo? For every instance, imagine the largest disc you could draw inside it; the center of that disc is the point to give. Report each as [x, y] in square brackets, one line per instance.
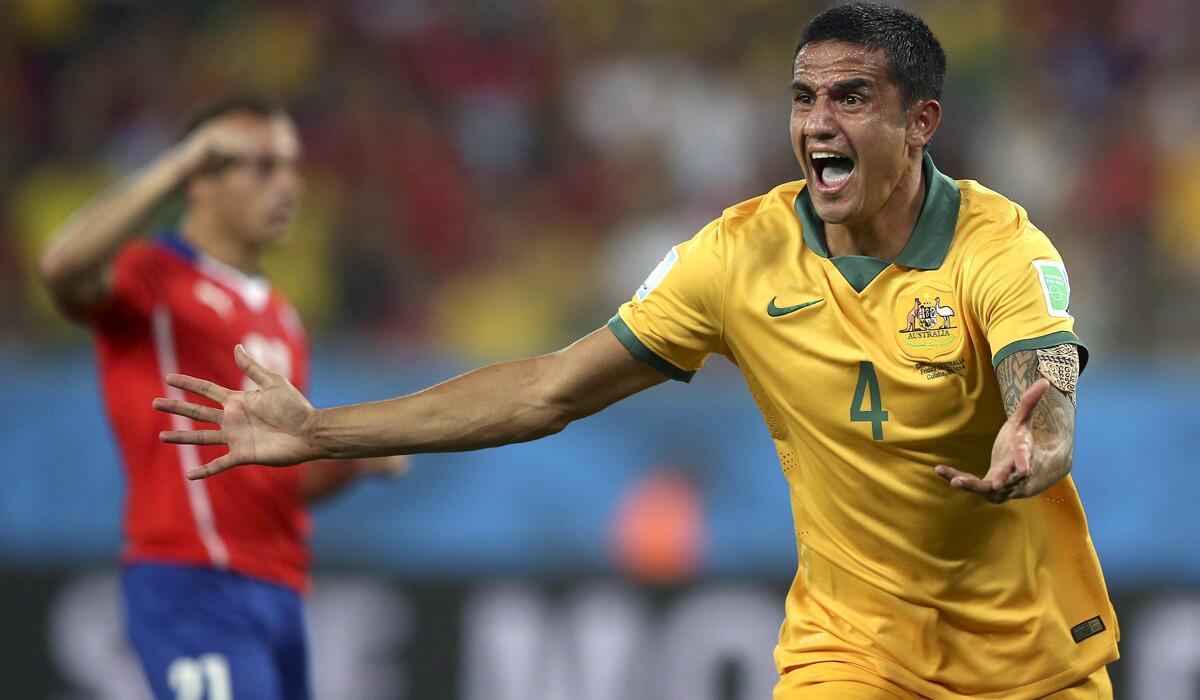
[213, 570]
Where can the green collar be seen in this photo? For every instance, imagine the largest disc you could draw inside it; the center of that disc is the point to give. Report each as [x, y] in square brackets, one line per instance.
[930, 240]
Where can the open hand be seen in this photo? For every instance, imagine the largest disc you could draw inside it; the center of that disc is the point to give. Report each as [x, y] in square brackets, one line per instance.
[1008, 475]
[265, 426]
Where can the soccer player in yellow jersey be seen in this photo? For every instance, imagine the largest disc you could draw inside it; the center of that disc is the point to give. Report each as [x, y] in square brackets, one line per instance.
[908, 340]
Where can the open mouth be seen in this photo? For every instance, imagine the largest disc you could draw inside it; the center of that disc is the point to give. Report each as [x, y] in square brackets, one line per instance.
[832, 170]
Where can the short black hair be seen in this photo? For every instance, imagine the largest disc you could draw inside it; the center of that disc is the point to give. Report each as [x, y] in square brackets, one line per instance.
[236, 103]
[916, 61]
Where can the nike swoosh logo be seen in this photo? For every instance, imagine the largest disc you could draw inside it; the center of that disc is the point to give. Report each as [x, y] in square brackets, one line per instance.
[774, 311]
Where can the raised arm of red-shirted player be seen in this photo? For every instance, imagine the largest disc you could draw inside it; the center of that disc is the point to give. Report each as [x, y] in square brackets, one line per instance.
[1035, 447]
[496, 405]
[77, 264]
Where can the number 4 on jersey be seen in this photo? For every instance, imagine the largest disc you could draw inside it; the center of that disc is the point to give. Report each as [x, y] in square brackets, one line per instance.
[875, 413]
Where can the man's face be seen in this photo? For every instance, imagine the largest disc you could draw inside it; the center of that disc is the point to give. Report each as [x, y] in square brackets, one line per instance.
[255, 195]
[848, 130]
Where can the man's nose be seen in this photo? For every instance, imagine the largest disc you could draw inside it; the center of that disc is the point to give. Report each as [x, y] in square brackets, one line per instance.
[821, 120]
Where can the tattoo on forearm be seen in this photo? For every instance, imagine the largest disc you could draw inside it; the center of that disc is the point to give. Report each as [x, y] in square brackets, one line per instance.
[1060, 365]
[1016, 373]
[1053, 420]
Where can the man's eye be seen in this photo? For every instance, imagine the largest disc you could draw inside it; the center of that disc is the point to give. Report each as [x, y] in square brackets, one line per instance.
[852, 100]
[803, 99]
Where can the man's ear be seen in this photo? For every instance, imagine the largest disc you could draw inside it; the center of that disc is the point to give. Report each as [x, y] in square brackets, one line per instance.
[924, 118]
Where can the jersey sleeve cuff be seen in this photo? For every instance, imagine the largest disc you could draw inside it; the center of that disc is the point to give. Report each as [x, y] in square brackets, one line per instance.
[639, 350]
[1043, 341]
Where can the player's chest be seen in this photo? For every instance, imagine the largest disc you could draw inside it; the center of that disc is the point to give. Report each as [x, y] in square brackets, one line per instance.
[904, 350]
[207, 319]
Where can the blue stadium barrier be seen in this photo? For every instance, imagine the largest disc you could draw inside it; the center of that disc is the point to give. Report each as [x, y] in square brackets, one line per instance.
[546, 508]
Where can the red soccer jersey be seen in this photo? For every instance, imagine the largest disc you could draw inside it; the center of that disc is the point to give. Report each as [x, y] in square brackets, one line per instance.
[176, 310]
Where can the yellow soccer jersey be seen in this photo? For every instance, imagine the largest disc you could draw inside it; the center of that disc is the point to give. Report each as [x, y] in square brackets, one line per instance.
[868, 374]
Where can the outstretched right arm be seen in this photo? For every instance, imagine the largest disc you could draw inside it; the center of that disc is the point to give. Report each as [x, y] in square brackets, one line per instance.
[496, 405]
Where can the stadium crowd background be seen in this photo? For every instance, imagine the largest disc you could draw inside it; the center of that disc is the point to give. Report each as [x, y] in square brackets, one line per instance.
[536, 157]
[487, 180]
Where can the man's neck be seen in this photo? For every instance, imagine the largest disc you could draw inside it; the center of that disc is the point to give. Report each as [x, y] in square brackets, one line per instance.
[212, 240]
[885, 234]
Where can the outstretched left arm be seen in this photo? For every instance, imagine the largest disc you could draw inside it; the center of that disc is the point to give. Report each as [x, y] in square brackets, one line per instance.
[1036, 445]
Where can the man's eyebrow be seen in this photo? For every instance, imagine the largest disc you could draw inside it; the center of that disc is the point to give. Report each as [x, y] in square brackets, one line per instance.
[850, 85]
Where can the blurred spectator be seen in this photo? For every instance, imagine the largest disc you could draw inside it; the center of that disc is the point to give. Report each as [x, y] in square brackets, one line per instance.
[527, 163]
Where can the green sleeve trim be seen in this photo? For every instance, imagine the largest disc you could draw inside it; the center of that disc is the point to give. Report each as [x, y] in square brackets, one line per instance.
[1044, 341]
[639, 350]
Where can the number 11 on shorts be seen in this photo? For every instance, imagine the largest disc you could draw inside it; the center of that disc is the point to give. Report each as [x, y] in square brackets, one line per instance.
[190, 678]
[874, 414]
